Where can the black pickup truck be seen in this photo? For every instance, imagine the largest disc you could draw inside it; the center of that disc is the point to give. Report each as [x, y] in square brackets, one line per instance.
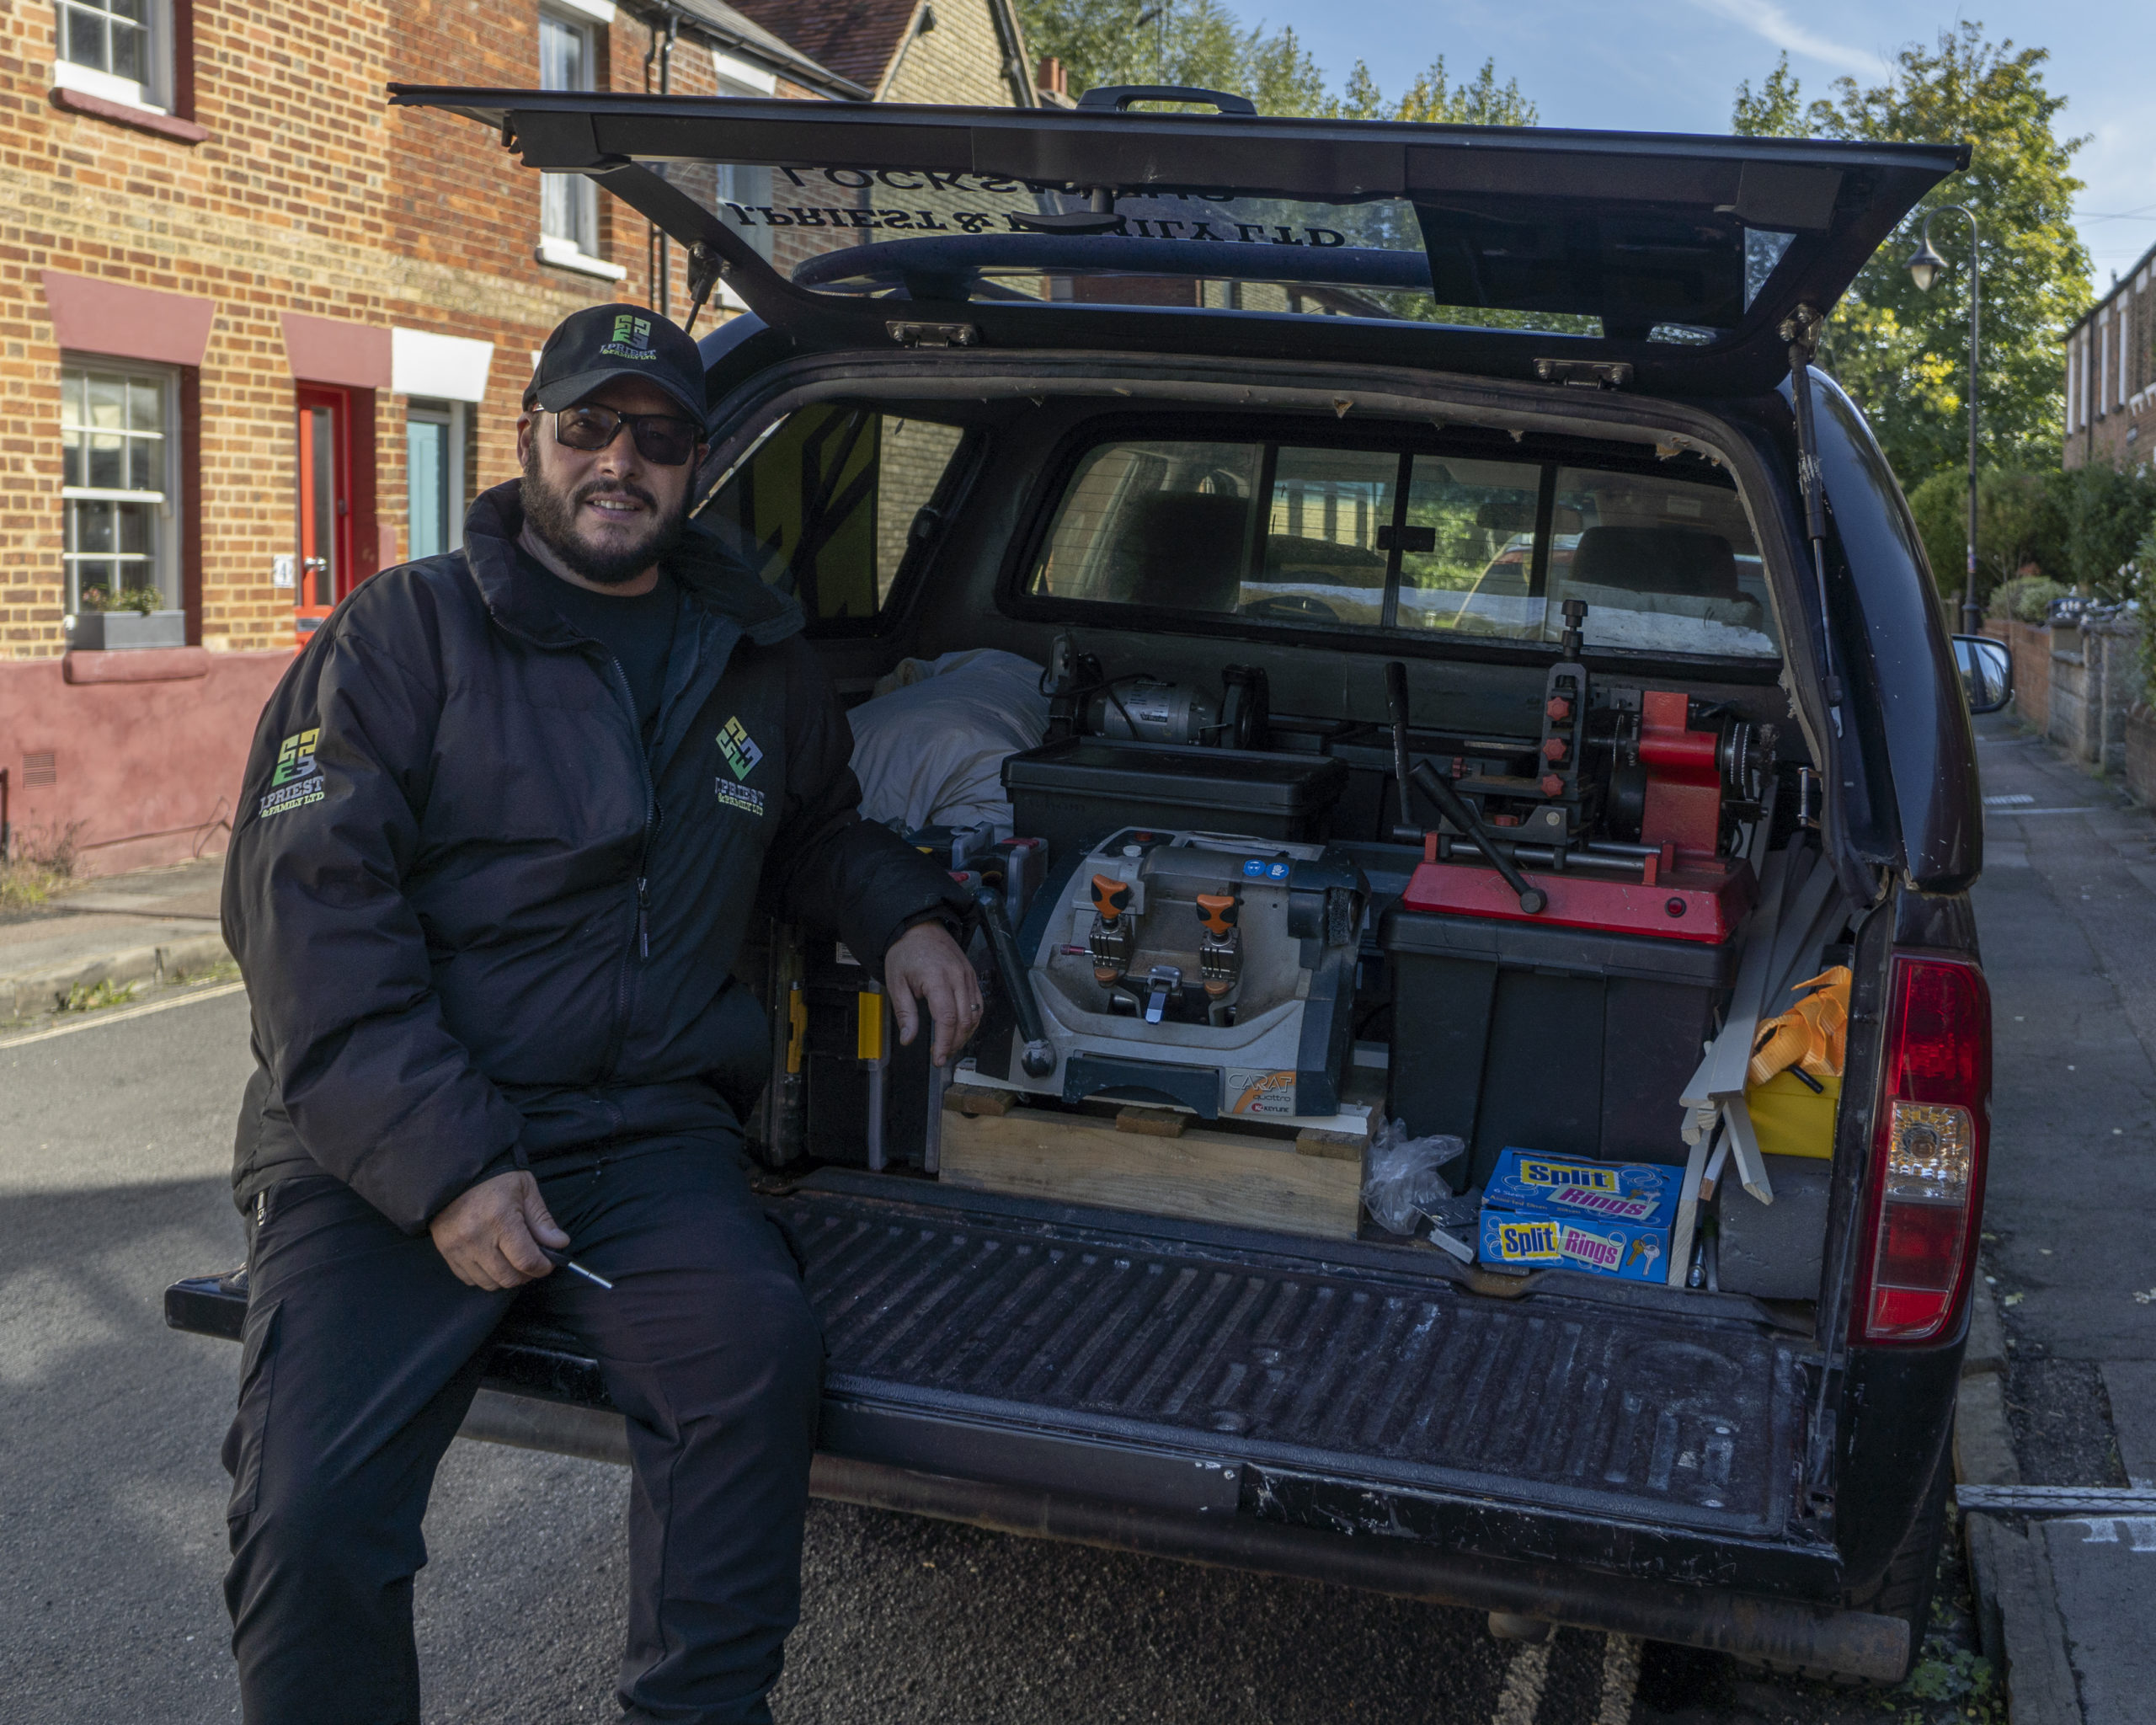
[1444, 525]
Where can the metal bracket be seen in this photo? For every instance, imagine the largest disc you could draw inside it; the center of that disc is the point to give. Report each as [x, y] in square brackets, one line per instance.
[1585, 374]
[934, 335]
[1166, 980]
[705, 266]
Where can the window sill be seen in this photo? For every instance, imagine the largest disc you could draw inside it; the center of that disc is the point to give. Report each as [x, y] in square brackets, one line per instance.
[562, 254]
[164, 126]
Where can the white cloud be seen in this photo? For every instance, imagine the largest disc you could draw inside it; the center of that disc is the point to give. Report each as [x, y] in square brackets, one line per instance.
[1767, 20]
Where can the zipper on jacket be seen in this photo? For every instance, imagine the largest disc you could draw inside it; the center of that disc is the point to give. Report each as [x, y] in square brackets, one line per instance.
[651, 823]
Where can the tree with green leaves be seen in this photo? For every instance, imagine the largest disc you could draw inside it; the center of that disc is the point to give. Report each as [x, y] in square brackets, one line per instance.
[1902, 353]
[2021, 525]
[2109, 510]
[1199, 43]
[1433, 99]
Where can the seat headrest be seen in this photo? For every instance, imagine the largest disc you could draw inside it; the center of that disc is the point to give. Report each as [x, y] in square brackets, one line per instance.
[1682, 562]
[1184, 549]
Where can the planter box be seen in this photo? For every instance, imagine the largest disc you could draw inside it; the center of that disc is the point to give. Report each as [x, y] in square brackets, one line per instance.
[108, 631]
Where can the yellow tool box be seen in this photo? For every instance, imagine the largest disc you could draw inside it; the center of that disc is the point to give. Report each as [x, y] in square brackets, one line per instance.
[1791, 1120]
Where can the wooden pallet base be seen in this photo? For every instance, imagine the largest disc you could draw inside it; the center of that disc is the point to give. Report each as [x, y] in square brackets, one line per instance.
[1233, 1178]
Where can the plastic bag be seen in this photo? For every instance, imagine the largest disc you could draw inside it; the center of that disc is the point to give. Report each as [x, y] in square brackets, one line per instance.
[1401, 1183]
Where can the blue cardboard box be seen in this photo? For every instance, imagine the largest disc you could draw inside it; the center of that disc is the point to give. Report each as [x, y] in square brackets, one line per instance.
[1636, 1194]
[1536, 1240]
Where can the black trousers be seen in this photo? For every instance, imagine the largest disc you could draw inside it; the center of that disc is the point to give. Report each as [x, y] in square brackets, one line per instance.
[361, 1361]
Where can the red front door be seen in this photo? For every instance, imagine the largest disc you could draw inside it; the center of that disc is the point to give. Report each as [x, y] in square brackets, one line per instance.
[326, 573]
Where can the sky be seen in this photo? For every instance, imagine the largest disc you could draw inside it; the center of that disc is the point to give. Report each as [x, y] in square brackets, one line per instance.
[1673, 66]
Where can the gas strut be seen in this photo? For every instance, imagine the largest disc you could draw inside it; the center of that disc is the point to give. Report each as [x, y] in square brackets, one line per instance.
[1453, 807]
[1038, 1059]
[1801, 330]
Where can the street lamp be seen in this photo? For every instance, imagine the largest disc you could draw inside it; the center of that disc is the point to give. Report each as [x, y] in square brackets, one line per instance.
[1924, 265]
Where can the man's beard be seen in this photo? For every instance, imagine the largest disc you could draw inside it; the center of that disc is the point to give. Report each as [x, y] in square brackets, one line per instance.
[552, 513]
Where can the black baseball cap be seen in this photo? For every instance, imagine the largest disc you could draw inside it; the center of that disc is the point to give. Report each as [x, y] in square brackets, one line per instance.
[601, 342]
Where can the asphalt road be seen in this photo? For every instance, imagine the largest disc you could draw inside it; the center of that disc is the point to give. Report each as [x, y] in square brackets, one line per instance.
[114, 1144]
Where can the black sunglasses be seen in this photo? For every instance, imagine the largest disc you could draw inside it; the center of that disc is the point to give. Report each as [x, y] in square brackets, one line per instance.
[665, 440]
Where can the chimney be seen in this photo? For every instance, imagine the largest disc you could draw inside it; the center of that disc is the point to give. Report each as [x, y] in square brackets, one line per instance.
[1054, 78]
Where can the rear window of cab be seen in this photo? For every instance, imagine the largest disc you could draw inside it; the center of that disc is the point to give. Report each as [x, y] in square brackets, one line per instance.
[1410, 542]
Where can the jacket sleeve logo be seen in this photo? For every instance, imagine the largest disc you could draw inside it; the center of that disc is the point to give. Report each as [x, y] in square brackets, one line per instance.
[740, 752]
[296, 781]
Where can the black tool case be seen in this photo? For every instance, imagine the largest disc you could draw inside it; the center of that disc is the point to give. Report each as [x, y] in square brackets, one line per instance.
[1570, 1041]
[1073, 793]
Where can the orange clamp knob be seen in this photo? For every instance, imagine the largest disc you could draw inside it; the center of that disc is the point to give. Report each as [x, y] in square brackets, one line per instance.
[1553, 748]
[1552, 785]
[1559, 708]
[1217, 911]
[1110, 896]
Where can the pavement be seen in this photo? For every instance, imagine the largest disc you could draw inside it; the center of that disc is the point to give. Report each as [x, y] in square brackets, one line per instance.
[2060, 1387]
[148, 928]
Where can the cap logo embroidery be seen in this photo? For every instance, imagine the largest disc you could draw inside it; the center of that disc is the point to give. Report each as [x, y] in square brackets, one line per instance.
[632, 338]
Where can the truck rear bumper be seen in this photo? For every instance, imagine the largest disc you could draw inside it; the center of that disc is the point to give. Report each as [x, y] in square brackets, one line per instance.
[1854, 1644]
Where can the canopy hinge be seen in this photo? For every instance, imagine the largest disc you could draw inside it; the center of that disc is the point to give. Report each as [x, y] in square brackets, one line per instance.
[1585, 374]
[935, 335]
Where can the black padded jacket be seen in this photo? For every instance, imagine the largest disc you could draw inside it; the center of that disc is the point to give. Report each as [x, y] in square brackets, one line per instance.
[480, 922]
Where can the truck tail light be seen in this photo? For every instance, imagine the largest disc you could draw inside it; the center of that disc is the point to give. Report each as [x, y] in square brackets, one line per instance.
[1925, 1195]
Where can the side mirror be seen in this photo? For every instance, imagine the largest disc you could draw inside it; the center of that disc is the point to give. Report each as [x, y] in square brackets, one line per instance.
[1987, 670]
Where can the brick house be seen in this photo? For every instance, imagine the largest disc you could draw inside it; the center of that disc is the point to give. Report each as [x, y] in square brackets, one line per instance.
[912, 50]
[2111, 373]
[261, 335]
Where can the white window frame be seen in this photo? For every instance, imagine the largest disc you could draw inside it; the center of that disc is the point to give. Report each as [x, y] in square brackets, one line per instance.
[450, 415]
[165, 553]
[750, 187]
[152, 93]
[2125, 345]
[568, 203]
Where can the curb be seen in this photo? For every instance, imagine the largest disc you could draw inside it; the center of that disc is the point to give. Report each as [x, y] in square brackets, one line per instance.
[2018, 1619]
[36, 993]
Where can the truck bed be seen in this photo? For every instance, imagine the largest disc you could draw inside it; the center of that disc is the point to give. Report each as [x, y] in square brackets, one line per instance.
[1276, 1356]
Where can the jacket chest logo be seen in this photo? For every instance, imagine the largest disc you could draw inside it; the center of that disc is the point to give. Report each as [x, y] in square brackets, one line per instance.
[740, 753]
[738, 748]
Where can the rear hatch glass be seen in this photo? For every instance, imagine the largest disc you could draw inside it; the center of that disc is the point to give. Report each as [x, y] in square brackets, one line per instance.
[1488, 249]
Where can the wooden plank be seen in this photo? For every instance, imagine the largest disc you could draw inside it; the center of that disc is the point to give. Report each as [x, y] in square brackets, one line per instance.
[979, 1099]
[1152, 1122]
[1206, 1176]
[1339, 1147]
